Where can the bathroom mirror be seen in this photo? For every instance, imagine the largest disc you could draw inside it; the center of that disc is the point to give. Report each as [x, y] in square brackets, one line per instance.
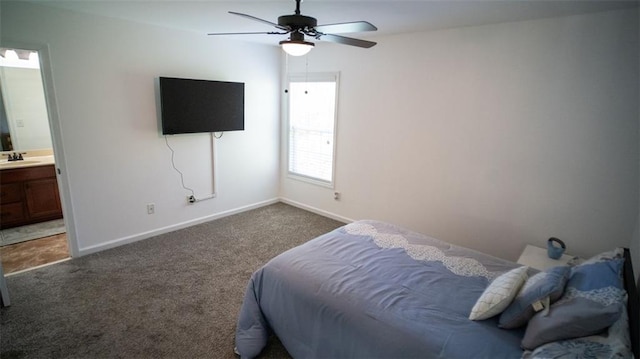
[24, 120]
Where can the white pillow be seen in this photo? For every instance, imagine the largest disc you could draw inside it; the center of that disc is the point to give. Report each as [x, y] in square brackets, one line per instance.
[499, 294]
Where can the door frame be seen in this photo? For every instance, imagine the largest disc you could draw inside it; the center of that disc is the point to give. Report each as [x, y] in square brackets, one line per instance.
[56, 136]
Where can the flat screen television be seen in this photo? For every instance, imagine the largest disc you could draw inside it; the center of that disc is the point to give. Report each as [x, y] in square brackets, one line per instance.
[192, 106]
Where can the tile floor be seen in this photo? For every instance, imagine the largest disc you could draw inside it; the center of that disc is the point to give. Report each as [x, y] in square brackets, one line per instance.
[32, 231]
[20, 256]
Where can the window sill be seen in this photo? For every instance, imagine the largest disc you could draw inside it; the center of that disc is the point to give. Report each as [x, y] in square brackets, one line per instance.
[310, 180]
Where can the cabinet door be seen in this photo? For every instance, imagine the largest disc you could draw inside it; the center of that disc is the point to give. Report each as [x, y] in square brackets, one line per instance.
[42, 198]
[11, 213]
[10, 192]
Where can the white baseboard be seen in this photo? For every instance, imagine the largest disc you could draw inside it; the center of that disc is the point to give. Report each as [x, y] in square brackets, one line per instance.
[316, 210]
[144, 235]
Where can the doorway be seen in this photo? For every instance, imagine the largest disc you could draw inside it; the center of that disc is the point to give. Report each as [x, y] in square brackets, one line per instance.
[33, 231]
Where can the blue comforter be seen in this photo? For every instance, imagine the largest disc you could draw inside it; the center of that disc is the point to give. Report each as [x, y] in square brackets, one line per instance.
[374, 290]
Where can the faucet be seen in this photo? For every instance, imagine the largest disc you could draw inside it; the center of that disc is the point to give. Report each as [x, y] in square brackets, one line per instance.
[15, 156]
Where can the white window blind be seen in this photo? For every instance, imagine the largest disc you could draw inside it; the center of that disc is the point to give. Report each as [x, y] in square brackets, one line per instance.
[312, 119]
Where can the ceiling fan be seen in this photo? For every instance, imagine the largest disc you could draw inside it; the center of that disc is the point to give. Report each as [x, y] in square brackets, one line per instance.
[298, 25]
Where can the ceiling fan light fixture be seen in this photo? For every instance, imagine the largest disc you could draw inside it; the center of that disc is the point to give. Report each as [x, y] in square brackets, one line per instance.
[296, 47]
[298, 25]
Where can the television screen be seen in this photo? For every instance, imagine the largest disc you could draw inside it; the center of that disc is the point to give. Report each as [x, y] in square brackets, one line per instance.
[192, 106]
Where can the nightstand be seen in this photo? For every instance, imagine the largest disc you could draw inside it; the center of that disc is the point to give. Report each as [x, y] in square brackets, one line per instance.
[536, 257]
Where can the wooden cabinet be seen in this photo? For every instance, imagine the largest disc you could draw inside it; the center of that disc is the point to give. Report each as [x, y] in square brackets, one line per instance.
[28, 195]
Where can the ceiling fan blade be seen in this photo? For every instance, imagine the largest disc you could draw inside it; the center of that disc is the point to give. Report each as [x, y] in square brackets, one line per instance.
[249, 33]
[346, 40]
[341, 28]
[285, 28]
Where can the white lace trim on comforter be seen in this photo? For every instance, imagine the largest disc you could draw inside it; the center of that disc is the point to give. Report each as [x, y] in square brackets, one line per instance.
[462, 266]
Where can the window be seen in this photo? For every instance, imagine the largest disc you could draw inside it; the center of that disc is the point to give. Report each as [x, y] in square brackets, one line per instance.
[311, 126]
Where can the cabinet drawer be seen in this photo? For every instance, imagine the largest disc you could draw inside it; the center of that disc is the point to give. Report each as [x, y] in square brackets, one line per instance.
[27, 173]
[11, 212]
[11, 192]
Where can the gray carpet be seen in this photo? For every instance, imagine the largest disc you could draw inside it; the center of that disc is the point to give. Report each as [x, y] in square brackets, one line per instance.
[176, 295]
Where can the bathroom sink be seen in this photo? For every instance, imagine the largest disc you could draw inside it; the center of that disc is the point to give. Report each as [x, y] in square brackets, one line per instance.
[18, 163]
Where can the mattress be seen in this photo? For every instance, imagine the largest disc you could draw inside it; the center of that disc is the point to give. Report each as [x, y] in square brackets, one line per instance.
[375, 290]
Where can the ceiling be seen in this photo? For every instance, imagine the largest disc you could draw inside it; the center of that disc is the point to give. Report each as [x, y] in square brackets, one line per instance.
[391, 17]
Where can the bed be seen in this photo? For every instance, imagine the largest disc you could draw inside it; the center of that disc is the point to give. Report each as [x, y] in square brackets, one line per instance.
[374, 290]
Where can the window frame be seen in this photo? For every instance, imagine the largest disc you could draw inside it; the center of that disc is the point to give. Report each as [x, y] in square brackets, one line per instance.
[312, 77]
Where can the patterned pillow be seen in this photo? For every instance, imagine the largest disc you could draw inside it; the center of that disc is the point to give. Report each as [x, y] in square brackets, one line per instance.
[615, 253]
[592, 301]
[497, 296]
[537, 293]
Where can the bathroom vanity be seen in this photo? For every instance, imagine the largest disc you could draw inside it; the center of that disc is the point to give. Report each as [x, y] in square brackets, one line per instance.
[28, 194]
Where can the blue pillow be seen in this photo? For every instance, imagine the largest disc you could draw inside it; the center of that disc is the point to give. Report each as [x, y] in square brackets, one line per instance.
[610, 344]
[548, 284]
[592, 301]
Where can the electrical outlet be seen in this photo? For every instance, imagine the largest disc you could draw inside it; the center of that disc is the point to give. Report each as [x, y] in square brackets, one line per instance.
[151, 208]
[336, 196]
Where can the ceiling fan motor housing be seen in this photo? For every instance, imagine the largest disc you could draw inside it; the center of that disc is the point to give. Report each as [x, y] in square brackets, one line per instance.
[297, 21]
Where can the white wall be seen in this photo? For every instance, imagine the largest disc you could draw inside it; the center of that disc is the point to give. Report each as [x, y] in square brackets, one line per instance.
[490, 137]
[115, 159]
[634, 244]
